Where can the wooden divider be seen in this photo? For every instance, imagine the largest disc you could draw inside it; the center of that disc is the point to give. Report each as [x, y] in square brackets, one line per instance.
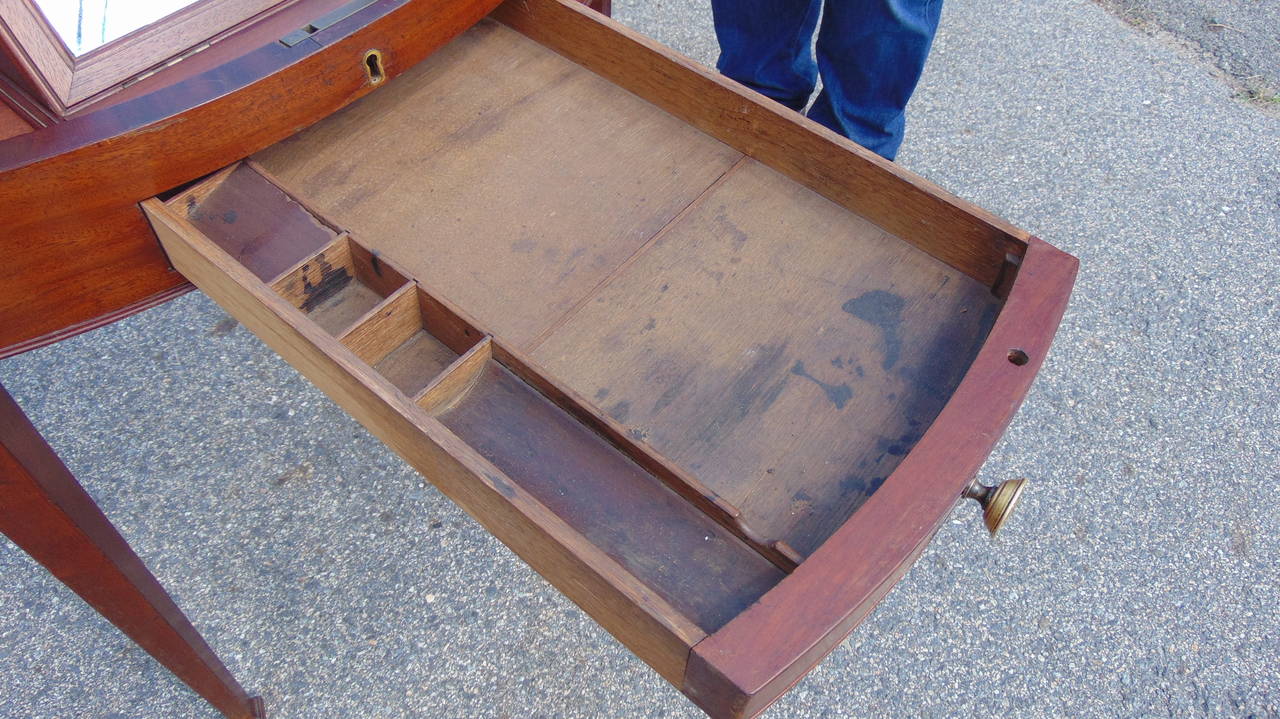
[452, 384]
[385, 327]
[681, 482]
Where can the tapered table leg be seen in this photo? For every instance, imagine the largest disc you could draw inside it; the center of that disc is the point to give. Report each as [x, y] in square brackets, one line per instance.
[46, 512]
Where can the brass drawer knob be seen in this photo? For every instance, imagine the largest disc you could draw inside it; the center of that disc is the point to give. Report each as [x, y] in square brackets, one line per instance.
[997, 501]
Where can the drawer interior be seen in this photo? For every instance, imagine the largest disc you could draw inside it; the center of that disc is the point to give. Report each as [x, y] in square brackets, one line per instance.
[679, 366]
[255, 222]
[786, 351]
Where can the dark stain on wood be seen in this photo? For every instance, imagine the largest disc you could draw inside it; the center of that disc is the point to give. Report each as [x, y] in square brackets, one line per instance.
[855, 485]
[897, 446]
[501, 485]
[737, 237]
[620, 411]
[884, 310]
[332, 280]
[838, 394]
[673, 390]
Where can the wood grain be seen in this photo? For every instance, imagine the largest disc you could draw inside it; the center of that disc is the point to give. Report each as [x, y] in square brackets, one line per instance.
[509, 200]
[339, 311]
[11, 123]
[254, 221]
[784, 350]
[413, 365]
[315, 277]
[15, 85]
[633, 613]
[749, 663]
[904, 204]
[77, 272]
[37, 49]
[637, 450]
[376, 270]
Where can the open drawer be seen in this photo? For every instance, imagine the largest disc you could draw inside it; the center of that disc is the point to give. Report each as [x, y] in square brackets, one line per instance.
[714, 372]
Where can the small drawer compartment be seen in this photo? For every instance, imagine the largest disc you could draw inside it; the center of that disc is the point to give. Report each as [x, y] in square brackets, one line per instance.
[599, 484]
[339, 285]
[410, 338]
[253, 220]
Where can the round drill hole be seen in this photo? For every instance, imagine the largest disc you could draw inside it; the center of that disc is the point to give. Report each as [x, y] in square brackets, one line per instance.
[1018, 357]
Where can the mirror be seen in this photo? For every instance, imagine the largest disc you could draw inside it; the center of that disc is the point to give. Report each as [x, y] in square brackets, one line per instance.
[87, 24]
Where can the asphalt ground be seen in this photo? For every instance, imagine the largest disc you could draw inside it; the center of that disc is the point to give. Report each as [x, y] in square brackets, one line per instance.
[1139, 579]
[1240, 38]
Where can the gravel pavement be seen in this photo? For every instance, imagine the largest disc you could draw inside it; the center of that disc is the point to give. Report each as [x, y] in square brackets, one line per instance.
[1140, 578]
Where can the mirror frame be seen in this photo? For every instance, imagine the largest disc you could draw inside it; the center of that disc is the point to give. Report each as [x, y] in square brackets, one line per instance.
[66, 82]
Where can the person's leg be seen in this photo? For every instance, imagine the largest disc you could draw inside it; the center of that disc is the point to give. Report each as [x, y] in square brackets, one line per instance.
[766, 45]
[870, 56]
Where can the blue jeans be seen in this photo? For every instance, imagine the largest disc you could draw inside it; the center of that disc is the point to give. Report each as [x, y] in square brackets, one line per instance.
[870, 54]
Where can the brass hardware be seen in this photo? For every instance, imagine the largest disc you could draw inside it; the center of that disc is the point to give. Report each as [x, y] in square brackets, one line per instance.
[373, 67]
[997, 501]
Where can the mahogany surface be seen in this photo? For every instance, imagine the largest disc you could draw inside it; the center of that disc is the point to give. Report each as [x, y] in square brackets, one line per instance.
[11, 123]
[107, 231]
